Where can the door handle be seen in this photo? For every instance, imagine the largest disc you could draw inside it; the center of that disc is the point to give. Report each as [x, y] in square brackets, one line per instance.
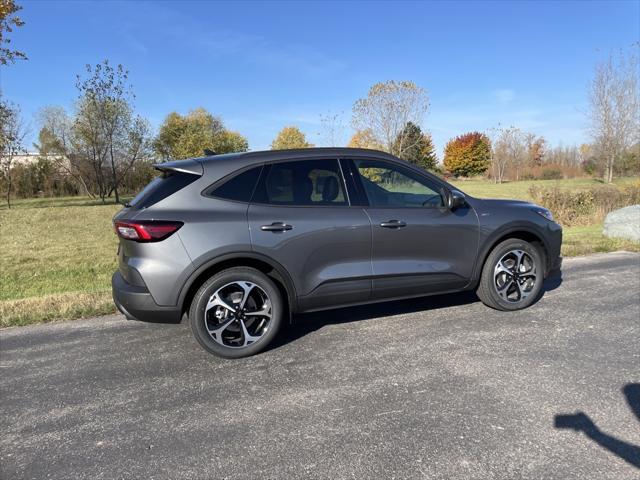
[276, 227]
[393, 224]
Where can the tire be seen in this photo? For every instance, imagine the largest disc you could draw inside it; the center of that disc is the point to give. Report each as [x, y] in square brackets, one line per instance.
[505, 282]
[236, 313]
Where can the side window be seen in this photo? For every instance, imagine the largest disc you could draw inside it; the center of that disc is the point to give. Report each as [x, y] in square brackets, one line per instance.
[239, 187]
[304, 182]
[388, 185]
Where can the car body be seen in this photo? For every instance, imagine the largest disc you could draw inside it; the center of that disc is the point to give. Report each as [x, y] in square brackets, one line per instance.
[329, 227]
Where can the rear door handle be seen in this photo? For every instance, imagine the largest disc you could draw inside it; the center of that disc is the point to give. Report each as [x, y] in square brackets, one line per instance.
[393, 224]
[276, 227]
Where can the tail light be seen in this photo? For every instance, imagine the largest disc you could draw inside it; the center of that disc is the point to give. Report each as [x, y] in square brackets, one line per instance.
[146, 230]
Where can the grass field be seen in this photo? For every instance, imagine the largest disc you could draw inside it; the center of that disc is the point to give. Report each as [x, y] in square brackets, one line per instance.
[56, 260]
[58, 255]
[520, 190]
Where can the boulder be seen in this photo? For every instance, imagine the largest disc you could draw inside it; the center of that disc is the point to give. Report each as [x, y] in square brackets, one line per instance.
[623, 223]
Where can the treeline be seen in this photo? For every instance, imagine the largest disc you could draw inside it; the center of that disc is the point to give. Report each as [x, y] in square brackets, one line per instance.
[103, 148]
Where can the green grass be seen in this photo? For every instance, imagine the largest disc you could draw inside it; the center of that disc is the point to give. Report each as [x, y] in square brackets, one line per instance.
[520, 190]
[585, 240]
[56, 260]
[58, 254]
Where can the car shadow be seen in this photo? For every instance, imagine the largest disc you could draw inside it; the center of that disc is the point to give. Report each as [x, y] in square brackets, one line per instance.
[306, 323]
[580, 422]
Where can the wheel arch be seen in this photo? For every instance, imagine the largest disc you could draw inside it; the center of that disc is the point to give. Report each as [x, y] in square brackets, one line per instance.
[525, 232]
[264, 264]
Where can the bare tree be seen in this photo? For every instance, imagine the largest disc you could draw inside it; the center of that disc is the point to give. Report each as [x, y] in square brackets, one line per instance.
[332, 129]
[614, 118]
[509, 148]
[12, 133]
[388, 108]
[56, 141]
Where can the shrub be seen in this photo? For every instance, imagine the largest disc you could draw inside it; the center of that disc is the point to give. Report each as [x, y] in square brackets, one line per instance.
[551, 174]
[584, 207]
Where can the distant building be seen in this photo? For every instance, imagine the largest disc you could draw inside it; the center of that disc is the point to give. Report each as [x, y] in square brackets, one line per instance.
[26, 159]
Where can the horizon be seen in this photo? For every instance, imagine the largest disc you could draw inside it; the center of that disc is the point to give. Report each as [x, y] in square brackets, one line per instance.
[265, 67]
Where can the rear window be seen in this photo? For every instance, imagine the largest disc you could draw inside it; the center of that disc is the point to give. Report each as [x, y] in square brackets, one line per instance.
[161, 187]
[239, 188]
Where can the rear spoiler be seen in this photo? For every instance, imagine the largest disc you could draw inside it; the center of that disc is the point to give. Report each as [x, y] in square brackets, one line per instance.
[191, 166]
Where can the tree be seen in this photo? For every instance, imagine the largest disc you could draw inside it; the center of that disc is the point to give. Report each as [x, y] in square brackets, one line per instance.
[388, 108]
[188, 136]
[12, 133]
[614, 113]
[331, 129]
[290, 137]
[8, 21]
[509, 148]
[56, 140]
[106, 124]
[229, 142]
[536, 149]
[103, 141]
[468, 154]
[365, 139]
[415, 147]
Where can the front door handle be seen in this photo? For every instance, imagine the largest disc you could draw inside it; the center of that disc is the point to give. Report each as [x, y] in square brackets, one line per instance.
[393, 224]
[276, 227]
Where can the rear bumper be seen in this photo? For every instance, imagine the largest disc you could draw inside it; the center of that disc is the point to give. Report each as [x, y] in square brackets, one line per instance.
[136, 303]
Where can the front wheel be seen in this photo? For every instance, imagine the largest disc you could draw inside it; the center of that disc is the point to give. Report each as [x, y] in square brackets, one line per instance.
[512, 276]
[236, 313]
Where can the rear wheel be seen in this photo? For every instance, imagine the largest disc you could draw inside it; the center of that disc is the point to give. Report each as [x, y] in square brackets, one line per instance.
[236, 313]
[512, 276]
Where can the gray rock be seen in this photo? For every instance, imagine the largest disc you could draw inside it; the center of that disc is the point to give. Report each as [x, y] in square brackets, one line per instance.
[623, 223]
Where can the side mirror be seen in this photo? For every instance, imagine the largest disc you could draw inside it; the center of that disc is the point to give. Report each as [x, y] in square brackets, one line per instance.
[454, 199]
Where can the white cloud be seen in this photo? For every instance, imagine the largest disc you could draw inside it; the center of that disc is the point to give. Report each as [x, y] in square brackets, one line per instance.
[504, 95]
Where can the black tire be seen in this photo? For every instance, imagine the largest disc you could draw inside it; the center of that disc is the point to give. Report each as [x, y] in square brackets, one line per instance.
[489, 284]
[218, 281]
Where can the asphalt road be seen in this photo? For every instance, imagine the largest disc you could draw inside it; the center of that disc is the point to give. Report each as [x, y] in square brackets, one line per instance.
[442, 387]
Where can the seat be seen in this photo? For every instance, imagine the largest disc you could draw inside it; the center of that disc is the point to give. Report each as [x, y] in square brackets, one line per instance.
[302, 191]
[330, 189]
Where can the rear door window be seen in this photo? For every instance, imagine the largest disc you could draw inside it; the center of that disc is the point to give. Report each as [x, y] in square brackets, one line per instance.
[302, 183]
[166, 184]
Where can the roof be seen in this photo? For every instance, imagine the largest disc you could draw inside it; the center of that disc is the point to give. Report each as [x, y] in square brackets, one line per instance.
[216, 162]
[269, 155]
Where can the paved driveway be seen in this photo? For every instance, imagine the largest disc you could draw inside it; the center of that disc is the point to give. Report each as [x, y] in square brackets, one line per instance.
[441, 387]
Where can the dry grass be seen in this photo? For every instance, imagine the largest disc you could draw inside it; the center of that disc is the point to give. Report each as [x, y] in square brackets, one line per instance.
[57, 255]
[584, 207]
[49, 308]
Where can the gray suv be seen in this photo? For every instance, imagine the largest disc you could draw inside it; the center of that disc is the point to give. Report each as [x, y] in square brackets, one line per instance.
[241, 242]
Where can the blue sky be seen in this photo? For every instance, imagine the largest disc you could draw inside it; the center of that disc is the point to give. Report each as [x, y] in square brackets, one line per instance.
[264, 65]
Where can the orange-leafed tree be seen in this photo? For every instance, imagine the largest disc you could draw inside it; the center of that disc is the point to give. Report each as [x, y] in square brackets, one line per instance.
[468, 155]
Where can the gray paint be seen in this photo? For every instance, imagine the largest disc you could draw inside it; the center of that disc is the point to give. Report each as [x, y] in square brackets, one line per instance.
[333, 255]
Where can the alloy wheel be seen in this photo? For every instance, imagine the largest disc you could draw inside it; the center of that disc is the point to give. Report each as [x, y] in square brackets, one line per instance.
[238, 314]
[515, 276]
